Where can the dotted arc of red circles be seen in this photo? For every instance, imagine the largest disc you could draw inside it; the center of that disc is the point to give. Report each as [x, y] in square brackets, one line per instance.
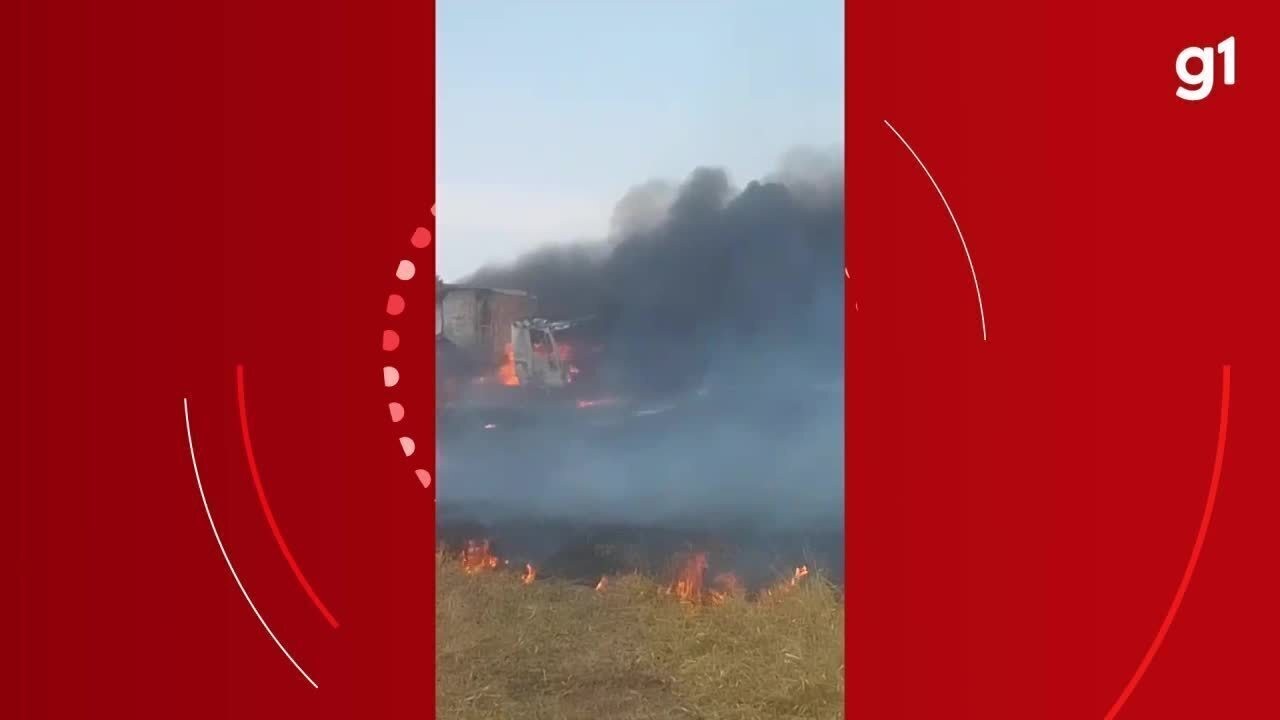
[391, 340]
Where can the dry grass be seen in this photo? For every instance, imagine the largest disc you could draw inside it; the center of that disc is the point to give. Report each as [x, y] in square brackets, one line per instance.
[551, 650]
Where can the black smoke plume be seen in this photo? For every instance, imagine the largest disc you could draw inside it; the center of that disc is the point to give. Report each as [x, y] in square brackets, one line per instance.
[705, 279]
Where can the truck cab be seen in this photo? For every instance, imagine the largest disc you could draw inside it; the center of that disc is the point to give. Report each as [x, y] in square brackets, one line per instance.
[539, 360]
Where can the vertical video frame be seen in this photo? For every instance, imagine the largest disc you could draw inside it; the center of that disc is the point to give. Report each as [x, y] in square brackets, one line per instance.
[640, 360]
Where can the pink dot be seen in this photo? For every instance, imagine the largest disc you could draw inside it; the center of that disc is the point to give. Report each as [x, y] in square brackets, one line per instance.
[395, 305]
[397, 411]
[421, 237]
[390, 340]
[424, 477]
[406, 270]
[390, 376]
[406, 443]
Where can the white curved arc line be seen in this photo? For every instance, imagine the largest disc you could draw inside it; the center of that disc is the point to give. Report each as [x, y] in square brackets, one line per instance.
[236, 576]
[982, 315]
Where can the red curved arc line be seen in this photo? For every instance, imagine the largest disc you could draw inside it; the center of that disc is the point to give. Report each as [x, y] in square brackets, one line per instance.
[1195, 552]
[266, 507]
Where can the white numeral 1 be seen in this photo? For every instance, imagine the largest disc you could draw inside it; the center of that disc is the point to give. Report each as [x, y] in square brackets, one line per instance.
[1227, 48]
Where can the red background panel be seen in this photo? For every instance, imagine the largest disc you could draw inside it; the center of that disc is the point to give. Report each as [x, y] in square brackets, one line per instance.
[1020, 511]
[203, 185]
[200, 186]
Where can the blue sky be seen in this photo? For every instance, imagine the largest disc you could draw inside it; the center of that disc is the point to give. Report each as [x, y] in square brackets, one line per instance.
[549, 110]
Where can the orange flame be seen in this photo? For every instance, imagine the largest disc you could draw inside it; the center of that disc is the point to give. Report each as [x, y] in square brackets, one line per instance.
[789, 583]
[529, 574]
[688, 583]
[507, 371]
[800, 573]
[477, 558]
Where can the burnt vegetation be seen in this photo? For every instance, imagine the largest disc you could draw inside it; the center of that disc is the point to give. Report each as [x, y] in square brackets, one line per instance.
[627, 651]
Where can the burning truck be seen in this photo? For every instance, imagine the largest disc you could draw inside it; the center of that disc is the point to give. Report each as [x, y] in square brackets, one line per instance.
[496, 357]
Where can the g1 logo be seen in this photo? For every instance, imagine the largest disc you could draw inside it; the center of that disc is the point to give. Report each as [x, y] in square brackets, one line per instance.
[1200, 84]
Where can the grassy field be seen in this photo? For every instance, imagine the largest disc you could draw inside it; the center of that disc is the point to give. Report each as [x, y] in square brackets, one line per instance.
[552, 650]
